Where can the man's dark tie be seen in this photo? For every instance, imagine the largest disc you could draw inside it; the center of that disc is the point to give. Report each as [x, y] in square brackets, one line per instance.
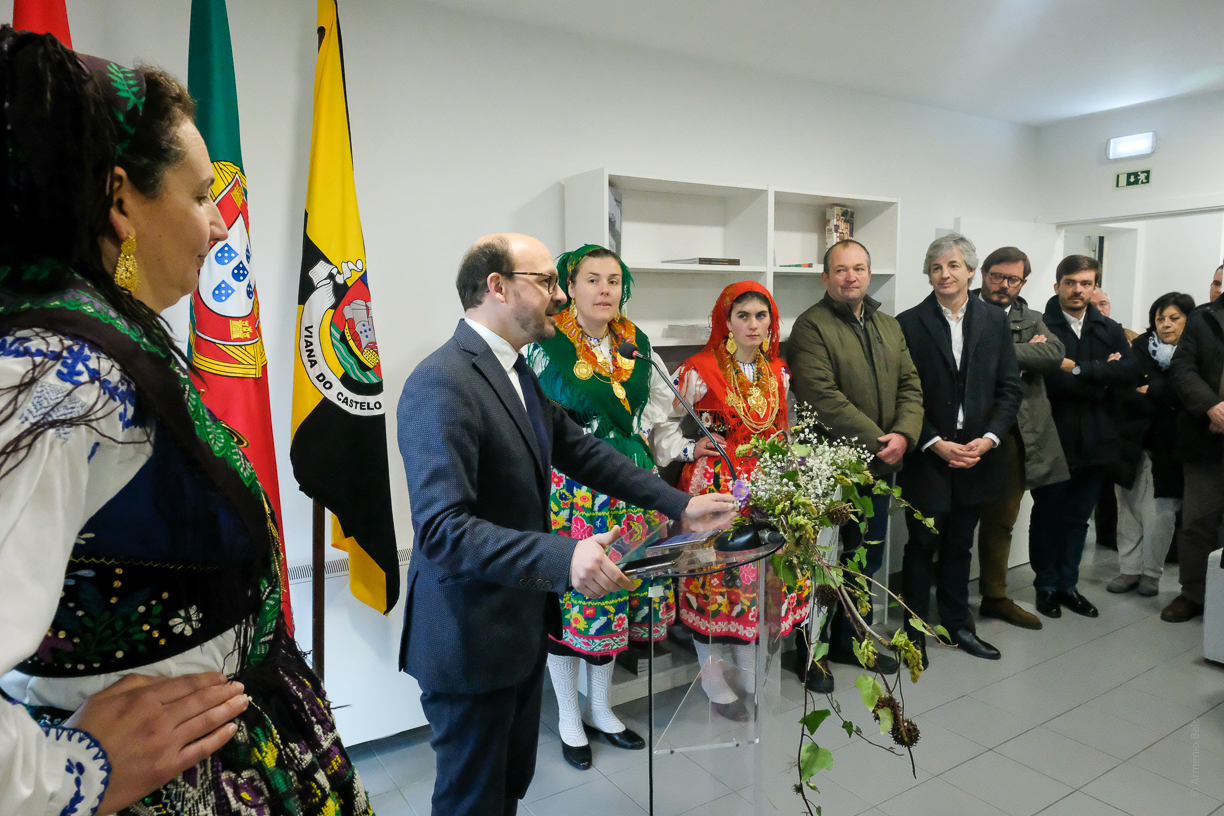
[531, 399]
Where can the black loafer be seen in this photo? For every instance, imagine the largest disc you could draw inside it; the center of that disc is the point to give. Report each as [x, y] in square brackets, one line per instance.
[577, 755]
[1077, 603]
[968, 641]
[1047, 604]
[735, 712]
[885, 662]
[629, 740]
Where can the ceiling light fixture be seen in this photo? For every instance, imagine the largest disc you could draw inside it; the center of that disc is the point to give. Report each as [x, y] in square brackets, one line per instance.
[1124, 147]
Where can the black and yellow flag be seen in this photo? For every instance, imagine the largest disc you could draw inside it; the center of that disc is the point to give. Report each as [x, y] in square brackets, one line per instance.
[339, 440]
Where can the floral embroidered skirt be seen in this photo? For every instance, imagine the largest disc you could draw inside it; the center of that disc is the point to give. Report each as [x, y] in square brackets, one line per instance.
[603, 626]
[285, 760]
[725, 605]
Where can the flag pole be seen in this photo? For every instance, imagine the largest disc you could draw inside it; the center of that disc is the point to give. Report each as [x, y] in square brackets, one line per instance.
[316, 584]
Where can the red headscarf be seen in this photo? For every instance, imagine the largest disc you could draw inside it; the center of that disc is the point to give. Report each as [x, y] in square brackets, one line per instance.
[707, 364]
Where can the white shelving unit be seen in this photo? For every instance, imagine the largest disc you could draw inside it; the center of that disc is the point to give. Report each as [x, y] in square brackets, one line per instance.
[762, 225]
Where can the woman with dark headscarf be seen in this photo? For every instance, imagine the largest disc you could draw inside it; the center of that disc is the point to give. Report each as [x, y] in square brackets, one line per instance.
[738, 385]
[618, 400]
[140, 596]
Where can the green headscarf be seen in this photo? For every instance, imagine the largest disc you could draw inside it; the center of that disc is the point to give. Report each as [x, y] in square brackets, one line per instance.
[567, 262]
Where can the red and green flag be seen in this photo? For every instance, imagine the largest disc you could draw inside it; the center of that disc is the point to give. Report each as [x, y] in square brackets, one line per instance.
[42, 17]
[226, 342]
[339, 443]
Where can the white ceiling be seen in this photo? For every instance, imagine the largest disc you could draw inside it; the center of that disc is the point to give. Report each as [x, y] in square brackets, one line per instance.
[1028, 61]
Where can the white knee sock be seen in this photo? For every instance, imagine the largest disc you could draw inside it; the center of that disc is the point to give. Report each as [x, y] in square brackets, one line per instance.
[712, 680]
[564, 672]
[745, 658]
[597, 712]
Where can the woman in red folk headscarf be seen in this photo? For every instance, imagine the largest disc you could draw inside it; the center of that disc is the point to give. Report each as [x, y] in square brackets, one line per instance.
[738, 385]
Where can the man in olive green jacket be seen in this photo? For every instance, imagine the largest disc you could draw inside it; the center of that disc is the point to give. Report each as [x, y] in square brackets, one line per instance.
[850, 363]
[1033, 452]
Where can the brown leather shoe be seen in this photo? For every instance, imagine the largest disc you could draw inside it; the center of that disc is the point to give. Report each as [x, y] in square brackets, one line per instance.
[1180, 610]
[1005, 609]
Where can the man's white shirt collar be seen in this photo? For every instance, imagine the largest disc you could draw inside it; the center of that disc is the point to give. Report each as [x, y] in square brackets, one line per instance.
[505, 353]
[1077, 323]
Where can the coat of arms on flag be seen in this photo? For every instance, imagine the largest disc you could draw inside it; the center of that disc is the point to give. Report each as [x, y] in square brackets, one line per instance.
[337, 343]
[225, 336]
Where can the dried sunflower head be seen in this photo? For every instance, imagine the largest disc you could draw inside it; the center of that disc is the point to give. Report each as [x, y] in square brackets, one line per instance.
[842, 513]
[905, 732]
[826, 596]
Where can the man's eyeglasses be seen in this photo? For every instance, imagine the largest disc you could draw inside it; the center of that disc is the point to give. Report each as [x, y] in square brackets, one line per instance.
[550, 278]
[998, 279]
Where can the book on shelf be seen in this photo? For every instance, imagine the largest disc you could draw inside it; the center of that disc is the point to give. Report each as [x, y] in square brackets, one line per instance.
[692, 332]
[839, 224]
[706, 261]
[796, 266]
[614, 219]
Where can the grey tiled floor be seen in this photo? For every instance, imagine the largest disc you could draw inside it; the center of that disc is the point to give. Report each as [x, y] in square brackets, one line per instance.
[1087, 717]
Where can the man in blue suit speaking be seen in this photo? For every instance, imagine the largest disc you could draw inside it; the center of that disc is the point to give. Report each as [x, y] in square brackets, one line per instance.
[479, 441]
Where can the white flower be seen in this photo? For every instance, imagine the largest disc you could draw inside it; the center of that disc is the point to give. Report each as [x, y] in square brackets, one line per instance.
[188, 620]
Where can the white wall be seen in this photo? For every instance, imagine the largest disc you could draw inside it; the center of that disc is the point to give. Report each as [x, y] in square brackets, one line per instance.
[463, 126]
[1077, 181]
[1180, 255]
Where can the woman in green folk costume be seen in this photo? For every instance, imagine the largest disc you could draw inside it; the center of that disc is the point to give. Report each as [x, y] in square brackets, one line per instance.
[619, 402]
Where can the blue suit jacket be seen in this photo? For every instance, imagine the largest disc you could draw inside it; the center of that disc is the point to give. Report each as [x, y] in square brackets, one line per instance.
[484, 568]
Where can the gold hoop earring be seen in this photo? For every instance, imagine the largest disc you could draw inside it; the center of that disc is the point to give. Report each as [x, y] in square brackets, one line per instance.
[126, 274]
[732, 347]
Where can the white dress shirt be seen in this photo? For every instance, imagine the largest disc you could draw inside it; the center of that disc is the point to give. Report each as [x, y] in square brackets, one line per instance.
[1077, 323]
[506, 354]
[956, 322]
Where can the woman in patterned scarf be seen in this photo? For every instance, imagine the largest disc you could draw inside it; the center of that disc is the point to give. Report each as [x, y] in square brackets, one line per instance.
[149, 666]
[619, 401]
[738, 385]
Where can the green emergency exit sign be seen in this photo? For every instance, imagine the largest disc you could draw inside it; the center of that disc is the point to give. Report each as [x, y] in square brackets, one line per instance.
[1133, 178]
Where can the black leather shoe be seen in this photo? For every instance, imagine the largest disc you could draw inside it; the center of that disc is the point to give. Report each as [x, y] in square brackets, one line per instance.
[1077, 603]
[577, 755]
[819, 679]
[735, 712]
[968, 641]
[629, 740]
[885, 662]
[1047, 604]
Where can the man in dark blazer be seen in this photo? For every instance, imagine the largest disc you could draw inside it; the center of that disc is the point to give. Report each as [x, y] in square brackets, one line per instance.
[1098, 361]
[479, 440]
[971, 392]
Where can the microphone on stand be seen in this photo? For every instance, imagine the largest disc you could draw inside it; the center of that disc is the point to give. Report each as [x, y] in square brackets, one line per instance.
[746, 536]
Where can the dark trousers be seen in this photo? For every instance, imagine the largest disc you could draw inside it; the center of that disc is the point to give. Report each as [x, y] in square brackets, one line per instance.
[485, 746]
[998, 519]
[1058, 527]
[838, 631]
[1202, 511]
[954, 544]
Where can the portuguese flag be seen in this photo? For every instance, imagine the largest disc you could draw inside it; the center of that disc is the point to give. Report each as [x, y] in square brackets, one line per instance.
[43, 17]
[339, 444]
[225, 340]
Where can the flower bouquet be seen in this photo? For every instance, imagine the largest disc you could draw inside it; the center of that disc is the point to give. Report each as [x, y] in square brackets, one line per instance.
[802, 484]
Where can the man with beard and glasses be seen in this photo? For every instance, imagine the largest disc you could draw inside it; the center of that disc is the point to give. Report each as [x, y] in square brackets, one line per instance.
[1032, 450]
[479, 441]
